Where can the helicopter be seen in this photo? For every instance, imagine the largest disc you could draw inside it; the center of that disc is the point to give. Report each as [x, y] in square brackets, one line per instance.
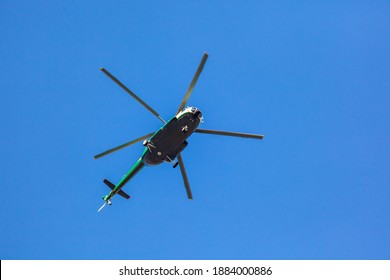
[167, 143]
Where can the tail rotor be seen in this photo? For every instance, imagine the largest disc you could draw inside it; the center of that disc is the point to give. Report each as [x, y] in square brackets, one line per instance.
[106, 201]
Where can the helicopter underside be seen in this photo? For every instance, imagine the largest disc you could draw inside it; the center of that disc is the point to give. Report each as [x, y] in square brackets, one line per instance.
[167, 143]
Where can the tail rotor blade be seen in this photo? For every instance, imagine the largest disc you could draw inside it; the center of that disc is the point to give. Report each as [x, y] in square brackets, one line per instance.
[184, 175]
[193, 82]
[131, 93]
[102, 206]
[228, 133]
[123, 145]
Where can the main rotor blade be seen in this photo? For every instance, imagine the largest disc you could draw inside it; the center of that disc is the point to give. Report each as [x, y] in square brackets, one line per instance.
[227, 133]
[193, 82]
[184, 175]
[132, 94]
[123, 145]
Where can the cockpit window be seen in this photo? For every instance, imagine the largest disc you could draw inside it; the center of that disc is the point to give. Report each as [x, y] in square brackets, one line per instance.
[188, 109]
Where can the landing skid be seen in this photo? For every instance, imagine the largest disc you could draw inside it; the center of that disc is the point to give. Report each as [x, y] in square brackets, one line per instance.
[175, 164]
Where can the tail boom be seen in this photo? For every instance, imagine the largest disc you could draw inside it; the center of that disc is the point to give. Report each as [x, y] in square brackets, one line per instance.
[117, 189]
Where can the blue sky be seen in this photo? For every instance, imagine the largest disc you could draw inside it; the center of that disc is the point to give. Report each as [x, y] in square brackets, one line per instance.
[312, 76]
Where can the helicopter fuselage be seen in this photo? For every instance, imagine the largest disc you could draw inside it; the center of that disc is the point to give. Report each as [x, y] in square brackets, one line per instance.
[171, 139]
[164, 146]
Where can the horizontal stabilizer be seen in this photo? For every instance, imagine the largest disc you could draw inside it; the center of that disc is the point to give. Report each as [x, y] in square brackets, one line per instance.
[123, 194]
[112, 187]
[109, 184]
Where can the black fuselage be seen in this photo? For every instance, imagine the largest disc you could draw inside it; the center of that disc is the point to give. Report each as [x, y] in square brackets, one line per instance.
[170, 140]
